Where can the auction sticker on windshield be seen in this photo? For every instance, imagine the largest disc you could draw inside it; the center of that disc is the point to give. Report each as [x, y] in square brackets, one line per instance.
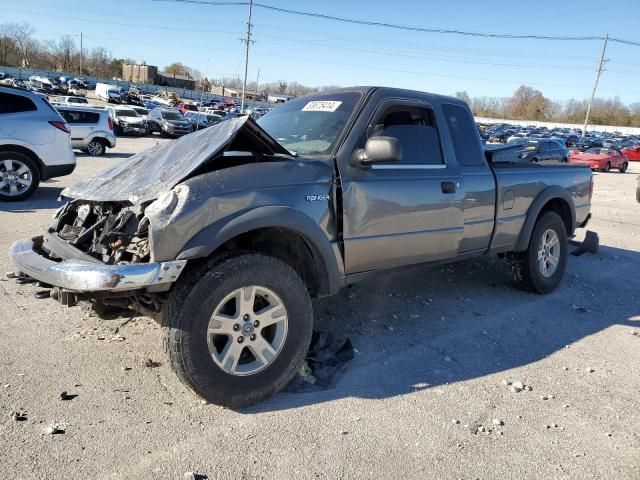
[322, 106]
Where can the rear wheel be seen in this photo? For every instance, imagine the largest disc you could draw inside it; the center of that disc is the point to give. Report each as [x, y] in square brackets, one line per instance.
[238, 333]
[540, 268]
[96, 148]
[19, 176]
[623, 167]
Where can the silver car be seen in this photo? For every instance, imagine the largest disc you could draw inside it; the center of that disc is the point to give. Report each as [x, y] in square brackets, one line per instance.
[91, 129]
[34, 143]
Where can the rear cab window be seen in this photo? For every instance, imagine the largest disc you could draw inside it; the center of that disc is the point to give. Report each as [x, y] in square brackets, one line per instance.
[463, 129]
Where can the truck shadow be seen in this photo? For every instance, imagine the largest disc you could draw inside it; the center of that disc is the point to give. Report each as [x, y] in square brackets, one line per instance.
[432, 327]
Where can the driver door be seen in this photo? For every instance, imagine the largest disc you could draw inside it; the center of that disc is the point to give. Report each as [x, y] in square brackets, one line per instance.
[406, 212]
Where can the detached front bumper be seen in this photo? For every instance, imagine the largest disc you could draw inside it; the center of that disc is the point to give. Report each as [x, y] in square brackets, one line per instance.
[83, 276]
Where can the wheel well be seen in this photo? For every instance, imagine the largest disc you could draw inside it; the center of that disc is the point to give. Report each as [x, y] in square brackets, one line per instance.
[290, 247]
[562, 208]
[24, 151]
[102, 140]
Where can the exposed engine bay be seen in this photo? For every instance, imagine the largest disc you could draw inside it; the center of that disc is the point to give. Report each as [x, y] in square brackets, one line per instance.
[108, 231]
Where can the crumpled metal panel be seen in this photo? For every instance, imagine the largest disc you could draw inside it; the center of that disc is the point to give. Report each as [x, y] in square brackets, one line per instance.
[144, 176]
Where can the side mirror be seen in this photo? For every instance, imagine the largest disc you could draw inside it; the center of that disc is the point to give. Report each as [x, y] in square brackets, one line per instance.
[379, 149]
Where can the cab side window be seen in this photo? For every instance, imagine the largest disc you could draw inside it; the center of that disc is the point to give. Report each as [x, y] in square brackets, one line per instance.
[416, 130]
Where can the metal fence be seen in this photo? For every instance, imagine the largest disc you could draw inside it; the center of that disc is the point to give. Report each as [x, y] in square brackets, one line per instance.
[196, 95]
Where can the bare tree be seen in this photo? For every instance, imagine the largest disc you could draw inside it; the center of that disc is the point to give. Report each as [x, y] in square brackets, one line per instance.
[66, 54]
[22, 36]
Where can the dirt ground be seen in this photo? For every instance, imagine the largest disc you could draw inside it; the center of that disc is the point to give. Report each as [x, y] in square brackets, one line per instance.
[435, 352]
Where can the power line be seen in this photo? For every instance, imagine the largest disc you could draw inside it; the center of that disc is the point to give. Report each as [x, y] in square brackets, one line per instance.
[442, 75]
[437, 58]
[409, 28]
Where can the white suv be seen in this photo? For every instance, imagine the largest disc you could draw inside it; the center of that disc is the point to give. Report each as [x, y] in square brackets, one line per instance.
[91, 129]
[34, 143]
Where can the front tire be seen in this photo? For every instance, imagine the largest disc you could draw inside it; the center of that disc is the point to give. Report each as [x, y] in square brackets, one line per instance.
[238, 333]
[624, 167]
[540, 268]
[607, 167]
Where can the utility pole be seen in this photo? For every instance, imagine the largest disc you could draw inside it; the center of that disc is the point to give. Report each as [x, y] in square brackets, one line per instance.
[257, 83]
[246, 56]
[595, 85]
[80, 53]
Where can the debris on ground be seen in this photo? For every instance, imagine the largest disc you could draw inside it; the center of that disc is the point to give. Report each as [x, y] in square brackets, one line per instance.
[327, 357]
[589, 370]
[151, 363]
[19, 415]
[66, 396]
[11, 275]
[519, 386]
[473, 427]
[579, 309]
[194, 476]
[54, 429]
[42, 294]
[590, 244]
[497, 422]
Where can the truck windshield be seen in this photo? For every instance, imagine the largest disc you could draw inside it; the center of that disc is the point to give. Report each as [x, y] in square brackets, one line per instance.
[311, 125]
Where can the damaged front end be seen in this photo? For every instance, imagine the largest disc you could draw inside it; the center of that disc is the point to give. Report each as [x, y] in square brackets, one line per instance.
[109, 232]
[99, 246]
[98, 251]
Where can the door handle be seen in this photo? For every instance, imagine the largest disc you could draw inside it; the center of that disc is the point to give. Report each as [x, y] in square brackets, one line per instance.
[448, 187]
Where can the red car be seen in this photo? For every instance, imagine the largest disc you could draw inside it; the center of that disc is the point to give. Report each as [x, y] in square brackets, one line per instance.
[186, 107]
[632, 153]
[600, 158]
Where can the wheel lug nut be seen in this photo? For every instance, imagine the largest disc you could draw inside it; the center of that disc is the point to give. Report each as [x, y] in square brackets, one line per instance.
[252, 338]
[246, 317]
[236, 327]
[256, 323]
[240, 339]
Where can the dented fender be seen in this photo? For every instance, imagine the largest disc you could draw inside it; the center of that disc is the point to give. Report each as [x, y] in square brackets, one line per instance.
[197, 216]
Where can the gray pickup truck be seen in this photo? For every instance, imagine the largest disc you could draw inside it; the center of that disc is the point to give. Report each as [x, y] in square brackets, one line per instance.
[225, 235]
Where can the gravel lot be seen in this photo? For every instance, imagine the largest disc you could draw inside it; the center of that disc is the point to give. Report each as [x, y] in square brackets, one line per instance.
[434, 347]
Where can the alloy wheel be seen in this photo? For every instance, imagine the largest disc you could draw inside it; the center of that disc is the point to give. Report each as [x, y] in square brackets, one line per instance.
[15, 177]
[549, 253]
[247, 330]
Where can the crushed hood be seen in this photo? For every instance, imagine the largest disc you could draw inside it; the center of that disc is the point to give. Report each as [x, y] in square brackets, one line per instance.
[144, 176]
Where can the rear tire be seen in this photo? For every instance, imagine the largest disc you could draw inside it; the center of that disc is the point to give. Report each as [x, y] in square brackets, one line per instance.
[96, 148]
[206, 318]
[528, 267]
[16, 171]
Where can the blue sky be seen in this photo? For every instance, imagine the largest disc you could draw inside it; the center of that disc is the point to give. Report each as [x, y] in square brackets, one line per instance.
[320, 52]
